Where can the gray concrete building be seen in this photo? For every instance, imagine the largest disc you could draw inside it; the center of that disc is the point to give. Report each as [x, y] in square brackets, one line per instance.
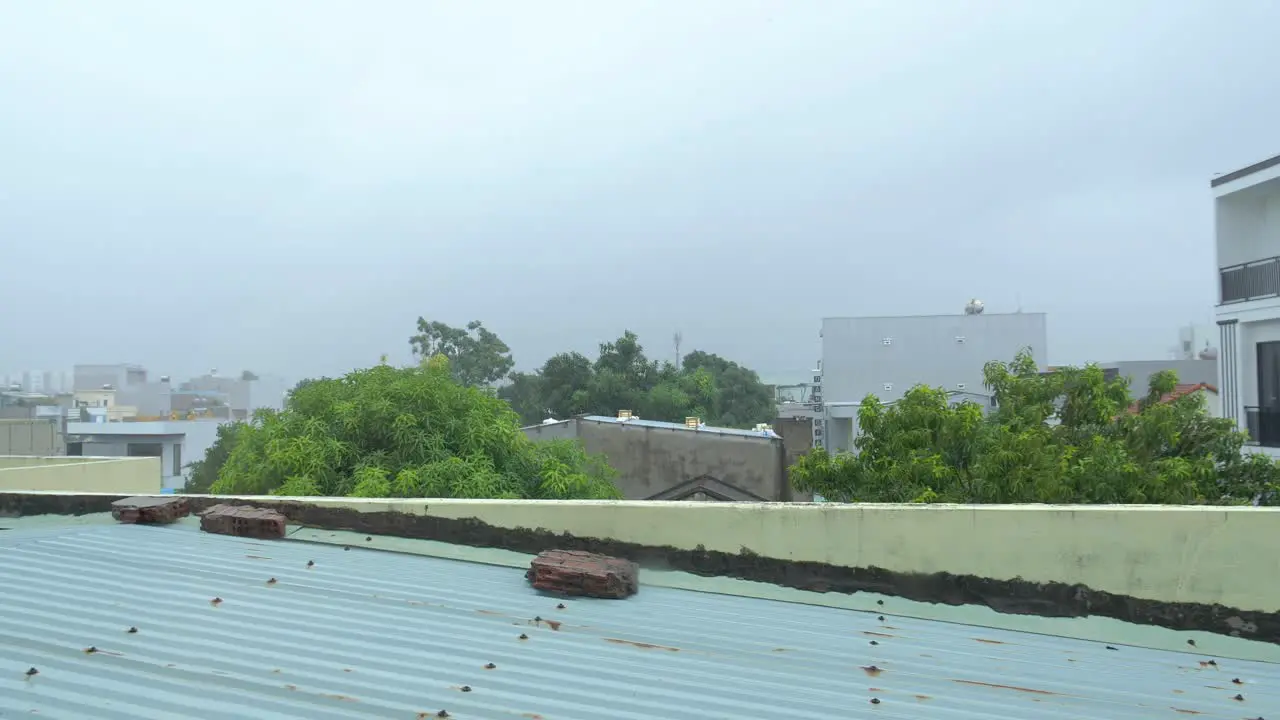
[670, 461]
[887, 356]
[39, 437]
[118, 375]
[1139, 372]
[176, 443]
[242, 396]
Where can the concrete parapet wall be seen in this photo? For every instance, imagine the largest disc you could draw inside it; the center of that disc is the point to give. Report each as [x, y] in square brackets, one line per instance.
[1195, 570]
[129, 476]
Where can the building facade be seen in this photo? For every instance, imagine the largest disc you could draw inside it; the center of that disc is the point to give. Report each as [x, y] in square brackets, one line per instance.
[670, 461]
[176, 443]
[1247, 243]
[887, 356]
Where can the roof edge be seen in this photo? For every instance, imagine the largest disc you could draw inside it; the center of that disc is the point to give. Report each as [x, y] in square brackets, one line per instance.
[466, 523]
[1245, 171]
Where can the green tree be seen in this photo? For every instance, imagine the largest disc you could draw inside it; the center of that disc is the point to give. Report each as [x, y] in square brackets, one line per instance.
[203, 473]
[718, 391]
[1070, 436]
[477, 355]
[404, 432]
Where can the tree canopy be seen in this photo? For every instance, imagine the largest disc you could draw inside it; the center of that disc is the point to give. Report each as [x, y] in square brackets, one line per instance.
[707, 386]
[477, 356]
[402, 432]
[1069, 436]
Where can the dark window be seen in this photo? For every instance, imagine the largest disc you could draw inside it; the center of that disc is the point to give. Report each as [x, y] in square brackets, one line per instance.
[1263, 420]
[177, 458]
[144, 450]
[1269, 375]
[75, 449]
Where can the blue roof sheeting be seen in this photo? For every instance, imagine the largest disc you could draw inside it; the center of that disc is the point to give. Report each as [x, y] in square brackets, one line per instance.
[661, 425]
[373, 634]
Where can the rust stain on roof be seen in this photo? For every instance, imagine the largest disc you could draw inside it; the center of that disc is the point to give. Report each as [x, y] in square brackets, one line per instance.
[1005, 687]
[641, 645]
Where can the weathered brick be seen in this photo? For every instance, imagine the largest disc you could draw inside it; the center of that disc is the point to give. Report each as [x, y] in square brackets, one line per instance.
[150, 510]
[243, 521]
[574, 572]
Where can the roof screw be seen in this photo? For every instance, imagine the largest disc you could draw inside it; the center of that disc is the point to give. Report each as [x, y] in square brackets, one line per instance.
[1238, 697]
[1112, 648]
[369, 538]
[879, 602]
[1192, 643]
[874, 642]
[346, 547]
[91, 650]
[489, 666]
[271, 581]
[216, 602]
[560, 606]
[465, 688]
[311, 563]
[132, 630]
[31, 672]
[537, 618]
[875, 701]
[443, 713]
[881, 618]
[1214, 663]
[1237, 681]
[523, 636]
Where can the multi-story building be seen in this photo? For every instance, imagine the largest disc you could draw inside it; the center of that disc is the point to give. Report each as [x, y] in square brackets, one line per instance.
[118, 376]
[242, 394]
[1247, 239]
[887, 356]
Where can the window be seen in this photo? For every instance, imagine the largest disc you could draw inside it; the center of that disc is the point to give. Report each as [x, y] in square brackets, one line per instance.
[959, 386]
[144, 450]
[960, 339]
[887, 341]
[177, 458]
[75, 449]
[888, 387]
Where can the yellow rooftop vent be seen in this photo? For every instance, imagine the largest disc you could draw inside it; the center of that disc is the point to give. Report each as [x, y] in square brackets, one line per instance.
[692, 422]
[624, 414]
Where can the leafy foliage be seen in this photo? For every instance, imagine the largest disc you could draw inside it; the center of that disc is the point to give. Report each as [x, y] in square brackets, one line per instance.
[477, 356]
[718, 391]
[403, 432]
[1065, 437]
[203, 473]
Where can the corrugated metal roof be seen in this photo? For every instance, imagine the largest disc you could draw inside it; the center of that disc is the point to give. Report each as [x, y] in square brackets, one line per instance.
[370, 634]
[637, 422]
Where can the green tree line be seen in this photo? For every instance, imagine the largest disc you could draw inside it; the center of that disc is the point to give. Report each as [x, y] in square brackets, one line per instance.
[1070, 436]
[439, 429]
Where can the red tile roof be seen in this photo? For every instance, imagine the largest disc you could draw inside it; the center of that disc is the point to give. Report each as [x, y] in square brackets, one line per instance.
[1179, 390]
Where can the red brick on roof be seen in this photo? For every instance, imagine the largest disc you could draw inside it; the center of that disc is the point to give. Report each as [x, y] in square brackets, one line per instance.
[574, 572]
[243, 521]
[150, 510]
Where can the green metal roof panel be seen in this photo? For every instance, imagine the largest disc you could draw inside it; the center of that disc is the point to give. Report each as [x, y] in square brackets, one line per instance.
[373, 634]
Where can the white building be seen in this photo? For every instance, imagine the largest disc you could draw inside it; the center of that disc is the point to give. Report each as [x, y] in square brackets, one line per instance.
[1247, 229]
[177, 443]
[887, 356]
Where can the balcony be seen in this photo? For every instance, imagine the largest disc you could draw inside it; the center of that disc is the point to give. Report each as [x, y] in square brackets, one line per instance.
[1250, 281]
[1264, 426]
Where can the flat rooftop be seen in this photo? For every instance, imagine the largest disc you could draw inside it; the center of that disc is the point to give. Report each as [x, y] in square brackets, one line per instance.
[127, 621]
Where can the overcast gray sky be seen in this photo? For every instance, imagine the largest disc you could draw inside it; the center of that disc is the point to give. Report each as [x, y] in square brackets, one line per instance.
[287, 185]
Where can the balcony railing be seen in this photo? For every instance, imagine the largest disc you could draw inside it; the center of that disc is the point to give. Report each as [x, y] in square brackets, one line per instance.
[1250, 281]
[1264, 425]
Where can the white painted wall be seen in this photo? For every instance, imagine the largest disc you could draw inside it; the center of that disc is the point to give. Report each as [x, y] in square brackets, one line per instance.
[1250, 334]
[1248, 224]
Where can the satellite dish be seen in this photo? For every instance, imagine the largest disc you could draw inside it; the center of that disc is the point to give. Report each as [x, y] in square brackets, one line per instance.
[975, 307]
